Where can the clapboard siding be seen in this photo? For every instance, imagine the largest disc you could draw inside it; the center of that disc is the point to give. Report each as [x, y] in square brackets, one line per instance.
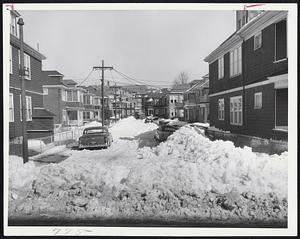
[260, 62]
[258, 65]
[33, 89]
[260, 122]
[52, 102]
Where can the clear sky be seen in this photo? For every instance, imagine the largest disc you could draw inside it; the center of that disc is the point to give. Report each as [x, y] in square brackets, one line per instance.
[151, 46]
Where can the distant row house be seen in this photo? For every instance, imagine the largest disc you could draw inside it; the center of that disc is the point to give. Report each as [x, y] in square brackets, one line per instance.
[196, 101]
[249, 77]
[63, 98]
[72, 105]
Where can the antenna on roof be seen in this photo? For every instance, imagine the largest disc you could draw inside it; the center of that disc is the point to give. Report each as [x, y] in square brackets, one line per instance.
[38, 46]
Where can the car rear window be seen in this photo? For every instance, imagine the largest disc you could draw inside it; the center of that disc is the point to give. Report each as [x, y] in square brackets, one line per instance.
[95, 131]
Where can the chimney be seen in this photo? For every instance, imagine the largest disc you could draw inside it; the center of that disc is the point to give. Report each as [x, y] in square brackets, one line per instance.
[38, 47]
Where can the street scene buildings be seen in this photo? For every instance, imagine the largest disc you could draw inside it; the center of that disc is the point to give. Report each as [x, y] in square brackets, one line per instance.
[205, 146]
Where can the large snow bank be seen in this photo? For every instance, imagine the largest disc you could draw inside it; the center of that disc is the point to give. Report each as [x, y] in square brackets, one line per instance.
[193, 162]
[20, 174]
[188, 175]
[131, 127]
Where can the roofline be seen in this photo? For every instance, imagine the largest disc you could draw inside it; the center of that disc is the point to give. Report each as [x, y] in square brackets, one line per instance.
[254, 25]
[197, 85]
[56, 75]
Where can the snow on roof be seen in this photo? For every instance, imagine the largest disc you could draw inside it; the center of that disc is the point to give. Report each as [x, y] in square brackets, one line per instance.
[52, 73]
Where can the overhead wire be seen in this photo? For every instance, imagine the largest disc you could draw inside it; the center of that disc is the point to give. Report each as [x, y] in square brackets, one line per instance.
[133, 80]
[86, 77]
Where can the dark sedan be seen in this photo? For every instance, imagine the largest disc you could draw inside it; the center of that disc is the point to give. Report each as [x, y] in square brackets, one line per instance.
[95, 137]
[166, 128]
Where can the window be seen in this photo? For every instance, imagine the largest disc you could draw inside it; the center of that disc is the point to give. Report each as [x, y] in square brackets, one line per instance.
[10, 60]
[221, 67]
[64, 115]
[28, 108]
[280, 41]
[13, 25]
[236, 61]
[45, 91]
[86, 99]
[26, 65]
[221, 109]
[63, 95]
[86, 115]
[69, 96]
[75, 96]
[257, 40]
[11, 107]
[258, 100]
[236, 110]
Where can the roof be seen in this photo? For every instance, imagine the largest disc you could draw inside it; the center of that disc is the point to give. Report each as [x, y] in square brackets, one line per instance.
[257, 23]
[69, 82]
[42, 112]
[48, 80]
[180, 88]
[204, 83]
[155, 95]
[27, 48]
[52, 73]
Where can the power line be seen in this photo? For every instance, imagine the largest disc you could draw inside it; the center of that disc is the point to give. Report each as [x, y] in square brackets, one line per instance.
[86, 77]
[133, 80]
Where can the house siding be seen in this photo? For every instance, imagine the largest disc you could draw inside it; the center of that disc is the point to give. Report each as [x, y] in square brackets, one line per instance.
[260, 62]
[260, 122]
[257, 66]
[15, 128]
[53, 103]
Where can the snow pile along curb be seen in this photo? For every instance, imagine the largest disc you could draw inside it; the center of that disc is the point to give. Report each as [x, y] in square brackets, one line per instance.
[186, 177]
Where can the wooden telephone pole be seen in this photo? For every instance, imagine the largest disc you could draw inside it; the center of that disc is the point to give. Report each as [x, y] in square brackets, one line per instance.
[115, 99]
[23, 94]
[102, 68]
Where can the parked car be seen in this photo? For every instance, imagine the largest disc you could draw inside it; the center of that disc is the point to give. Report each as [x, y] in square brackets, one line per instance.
[95, 137]
[166, 128]
[150, 119]
[139, 115]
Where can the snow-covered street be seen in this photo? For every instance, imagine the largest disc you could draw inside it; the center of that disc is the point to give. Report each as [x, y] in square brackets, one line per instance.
[187, 177]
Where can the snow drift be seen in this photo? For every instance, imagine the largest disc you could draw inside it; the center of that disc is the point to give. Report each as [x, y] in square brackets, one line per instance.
[187, 176]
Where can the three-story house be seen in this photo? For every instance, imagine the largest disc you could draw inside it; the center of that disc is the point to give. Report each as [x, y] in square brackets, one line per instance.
[39, 120]
[249, 77]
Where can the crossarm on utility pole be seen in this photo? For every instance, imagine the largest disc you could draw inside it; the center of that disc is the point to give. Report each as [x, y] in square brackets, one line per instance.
[102, 68]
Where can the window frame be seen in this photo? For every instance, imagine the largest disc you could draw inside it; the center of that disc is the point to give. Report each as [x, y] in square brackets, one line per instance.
[236, 111]
[11, 108]
[45, 91]
[221, 67]
[10, 59]
[27, 64]
[28, 109]
[275, 33]
[258, 34]
[221, 110]
[235, 62]
[13, 25]
[256, 105]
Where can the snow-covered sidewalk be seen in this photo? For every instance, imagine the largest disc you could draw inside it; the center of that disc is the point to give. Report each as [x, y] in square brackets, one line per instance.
[187, 177]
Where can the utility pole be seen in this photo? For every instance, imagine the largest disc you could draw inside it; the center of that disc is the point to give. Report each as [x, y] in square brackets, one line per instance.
[23, 95]
[102, 68]
[115, 99]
